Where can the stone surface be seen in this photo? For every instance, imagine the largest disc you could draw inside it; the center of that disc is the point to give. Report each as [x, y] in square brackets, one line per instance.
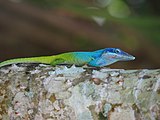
[39, 92]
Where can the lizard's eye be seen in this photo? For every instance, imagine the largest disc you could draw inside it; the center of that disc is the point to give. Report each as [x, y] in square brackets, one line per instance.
[117, 51]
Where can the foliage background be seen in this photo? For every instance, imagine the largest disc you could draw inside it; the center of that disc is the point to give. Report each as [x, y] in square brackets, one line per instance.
[47, 27]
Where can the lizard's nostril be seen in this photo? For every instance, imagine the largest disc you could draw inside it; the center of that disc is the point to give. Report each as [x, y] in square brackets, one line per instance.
[133, 58]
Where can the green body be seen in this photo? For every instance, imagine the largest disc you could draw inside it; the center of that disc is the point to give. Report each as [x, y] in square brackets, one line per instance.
[65, 58]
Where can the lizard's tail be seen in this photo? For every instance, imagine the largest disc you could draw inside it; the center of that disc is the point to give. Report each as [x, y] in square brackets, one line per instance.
[45, 59]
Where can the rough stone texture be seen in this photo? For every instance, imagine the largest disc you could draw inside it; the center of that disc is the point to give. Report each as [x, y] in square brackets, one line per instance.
[40, 92]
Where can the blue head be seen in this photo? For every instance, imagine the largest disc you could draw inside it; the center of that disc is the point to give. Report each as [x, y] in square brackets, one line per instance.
[109, 56]
[116, 54]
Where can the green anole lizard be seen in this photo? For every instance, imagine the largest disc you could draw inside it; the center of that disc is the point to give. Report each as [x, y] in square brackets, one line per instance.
[99, 58]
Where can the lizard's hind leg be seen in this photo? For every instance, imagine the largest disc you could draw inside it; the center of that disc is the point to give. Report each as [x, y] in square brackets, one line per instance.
[57, 61]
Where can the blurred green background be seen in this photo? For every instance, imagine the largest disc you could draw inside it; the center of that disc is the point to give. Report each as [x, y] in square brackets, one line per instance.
[47, 27]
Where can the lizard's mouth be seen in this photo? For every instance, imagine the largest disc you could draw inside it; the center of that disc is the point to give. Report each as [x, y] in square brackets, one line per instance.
[128, 58]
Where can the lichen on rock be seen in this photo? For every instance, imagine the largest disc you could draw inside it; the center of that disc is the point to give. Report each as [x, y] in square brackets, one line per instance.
[40, 92]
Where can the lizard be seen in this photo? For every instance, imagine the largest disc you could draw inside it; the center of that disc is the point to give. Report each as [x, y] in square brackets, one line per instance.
[98, 58]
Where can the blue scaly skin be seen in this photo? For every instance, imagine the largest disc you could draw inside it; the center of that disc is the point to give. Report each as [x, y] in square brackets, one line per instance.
[99, 58]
